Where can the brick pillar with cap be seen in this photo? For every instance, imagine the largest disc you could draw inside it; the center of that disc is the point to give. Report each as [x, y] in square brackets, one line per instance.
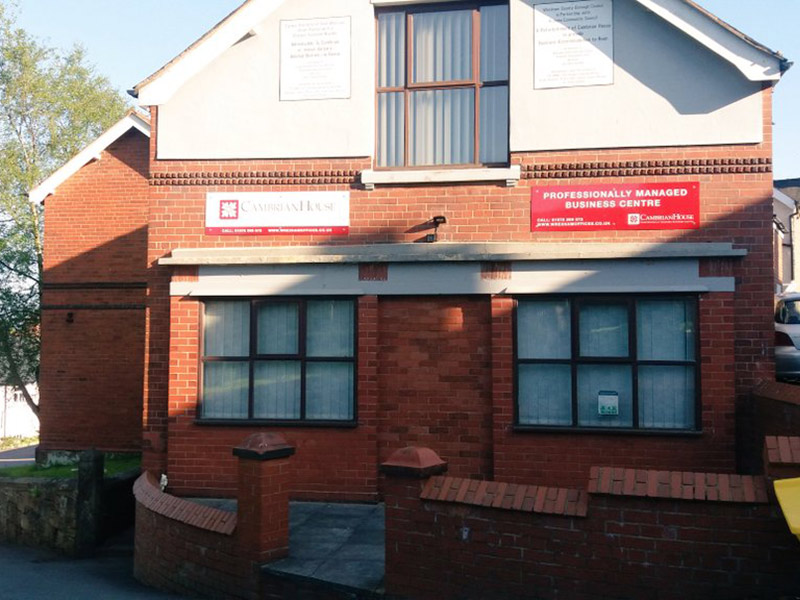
[265, 482]
[406, 472]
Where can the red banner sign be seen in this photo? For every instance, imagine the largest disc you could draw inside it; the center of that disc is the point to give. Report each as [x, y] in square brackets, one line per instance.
[626, 206]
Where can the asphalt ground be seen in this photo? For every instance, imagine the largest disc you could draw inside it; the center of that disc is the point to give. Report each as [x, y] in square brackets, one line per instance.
[18, 457]
[33, 574]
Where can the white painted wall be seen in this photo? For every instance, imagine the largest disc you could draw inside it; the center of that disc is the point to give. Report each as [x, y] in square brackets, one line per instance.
[231, 108]
[668, 90]
[16, 417]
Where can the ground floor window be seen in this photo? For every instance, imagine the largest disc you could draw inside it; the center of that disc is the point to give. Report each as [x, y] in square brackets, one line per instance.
[607, 362]
[279, 359]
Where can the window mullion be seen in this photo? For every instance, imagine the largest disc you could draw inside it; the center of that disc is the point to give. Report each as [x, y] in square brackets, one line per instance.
[251, 359]
[574, 344]
[406, 85]
[301, 347]
[476, 78]
[633, 343]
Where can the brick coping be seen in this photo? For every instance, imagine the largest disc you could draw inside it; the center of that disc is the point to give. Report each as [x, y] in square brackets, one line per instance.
[777, 391]
[782, 450]
[509, 496]
[678, 485]
[149, 495]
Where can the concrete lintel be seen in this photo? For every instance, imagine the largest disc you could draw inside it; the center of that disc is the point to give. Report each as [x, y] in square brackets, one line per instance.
[446, 252]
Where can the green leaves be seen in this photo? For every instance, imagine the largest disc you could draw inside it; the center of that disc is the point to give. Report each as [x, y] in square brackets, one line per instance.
[52, 104]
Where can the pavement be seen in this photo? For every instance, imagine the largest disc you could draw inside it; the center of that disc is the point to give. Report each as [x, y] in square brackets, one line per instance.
[18, 457]
[33, 574]
[341, 544]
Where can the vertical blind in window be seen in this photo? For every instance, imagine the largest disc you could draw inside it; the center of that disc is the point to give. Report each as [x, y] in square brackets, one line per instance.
[433, 103]
[299, 366]
[570, 352]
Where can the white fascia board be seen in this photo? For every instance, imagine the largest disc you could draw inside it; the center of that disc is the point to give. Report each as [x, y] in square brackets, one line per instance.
[405, 2]
[91, 152]
[755, 64]
[238, 25]
[784, 199]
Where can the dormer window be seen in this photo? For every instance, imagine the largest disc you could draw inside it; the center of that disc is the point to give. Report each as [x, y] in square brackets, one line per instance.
[443, 86]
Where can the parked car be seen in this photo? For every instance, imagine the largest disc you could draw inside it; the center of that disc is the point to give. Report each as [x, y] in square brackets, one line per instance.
[787, 337]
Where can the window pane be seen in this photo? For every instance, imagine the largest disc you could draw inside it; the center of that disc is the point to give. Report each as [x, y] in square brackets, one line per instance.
[543, 329]
[604, 330]
[391, 49]
[277, 328]
[545, 395]
[391, 129]
[442, 46]
[788, 312]
[494, 42]
[330, 328]
[276, 392]
[494, 124]
[442, 127]
[227, 329]
[225, 386]
[666, 397]
[329, 390]
[614, 379]
[666, 329]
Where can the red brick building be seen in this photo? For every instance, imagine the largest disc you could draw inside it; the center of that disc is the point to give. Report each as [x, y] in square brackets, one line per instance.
[524, 235]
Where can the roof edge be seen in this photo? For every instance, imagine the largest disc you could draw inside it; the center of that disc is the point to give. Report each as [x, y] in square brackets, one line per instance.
[754, 60]
[131, 120]
[784, 199]
[161, 85]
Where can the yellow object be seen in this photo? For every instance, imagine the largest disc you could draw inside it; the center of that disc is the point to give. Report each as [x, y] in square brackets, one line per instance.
[788, 493]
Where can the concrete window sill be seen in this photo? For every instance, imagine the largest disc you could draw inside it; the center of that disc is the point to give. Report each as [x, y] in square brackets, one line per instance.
[509, 175]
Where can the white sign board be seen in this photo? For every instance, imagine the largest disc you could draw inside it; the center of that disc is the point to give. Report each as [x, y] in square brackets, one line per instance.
[315, 59]
[293, 213]
[573, 44]
[607, 404]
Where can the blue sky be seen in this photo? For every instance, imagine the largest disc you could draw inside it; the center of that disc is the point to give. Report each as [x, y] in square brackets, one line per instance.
[127, 41]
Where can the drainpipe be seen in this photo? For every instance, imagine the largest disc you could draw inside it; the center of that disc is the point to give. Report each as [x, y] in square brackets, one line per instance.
[794, 233]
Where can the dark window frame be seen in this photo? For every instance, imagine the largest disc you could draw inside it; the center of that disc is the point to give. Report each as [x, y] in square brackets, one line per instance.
[575, 360]
[409, 86]
[254, 357]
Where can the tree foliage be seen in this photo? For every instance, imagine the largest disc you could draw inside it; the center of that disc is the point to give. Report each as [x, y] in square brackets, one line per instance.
[52, 104]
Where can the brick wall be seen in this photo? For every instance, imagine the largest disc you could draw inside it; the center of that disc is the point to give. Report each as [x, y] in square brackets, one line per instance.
[93, 303]
[330, 463]
[777, 409]
[168, 556]
[736, 330]
[434, 379]
[640, 538]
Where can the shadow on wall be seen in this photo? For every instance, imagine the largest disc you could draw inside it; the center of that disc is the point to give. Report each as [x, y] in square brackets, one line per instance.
[668, 62]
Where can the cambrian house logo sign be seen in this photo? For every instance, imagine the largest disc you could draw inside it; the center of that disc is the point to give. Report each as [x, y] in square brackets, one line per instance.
[289, 213]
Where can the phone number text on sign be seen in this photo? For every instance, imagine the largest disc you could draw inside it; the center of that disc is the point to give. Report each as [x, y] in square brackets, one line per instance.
[616, 207]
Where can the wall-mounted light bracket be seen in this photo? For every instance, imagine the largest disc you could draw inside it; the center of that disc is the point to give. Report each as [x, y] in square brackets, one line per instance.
[435, 221]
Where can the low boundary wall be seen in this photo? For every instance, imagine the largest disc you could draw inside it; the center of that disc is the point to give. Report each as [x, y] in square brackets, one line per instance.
[197, 550]
[634, 534]
[70, 515]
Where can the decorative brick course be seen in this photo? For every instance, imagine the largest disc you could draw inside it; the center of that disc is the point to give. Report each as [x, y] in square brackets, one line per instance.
[648, 168]
[300, 177]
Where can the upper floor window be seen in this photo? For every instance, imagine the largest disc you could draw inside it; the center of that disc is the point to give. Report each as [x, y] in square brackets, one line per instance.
[443, 86]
